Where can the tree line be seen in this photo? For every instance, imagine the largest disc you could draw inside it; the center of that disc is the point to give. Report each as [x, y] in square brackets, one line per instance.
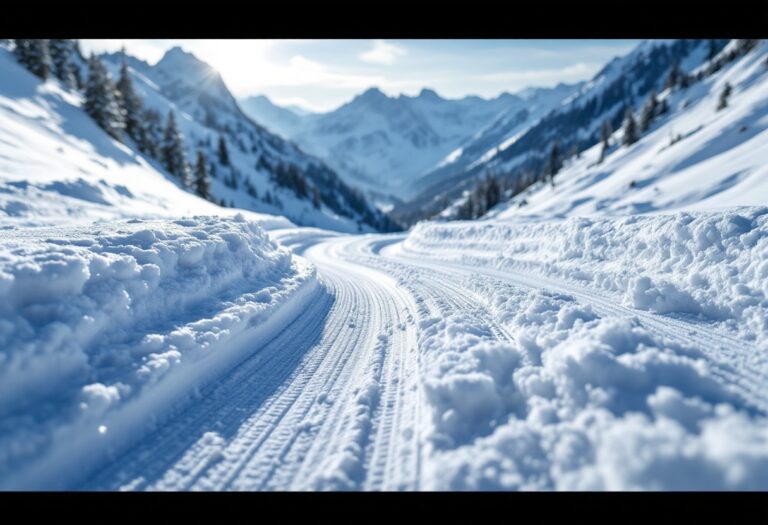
[116, 107]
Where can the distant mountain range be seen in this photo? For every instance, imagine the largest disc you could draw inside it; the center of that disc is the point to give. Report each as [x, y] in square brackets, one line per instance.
[387, 144]
[254, 176]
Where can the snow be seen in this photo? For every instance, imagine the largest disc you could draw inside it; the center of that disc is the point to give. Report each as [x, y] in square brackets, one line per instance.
[57, 166]
[587, 394]
[98, 321]
[602, 337]
[720, 161]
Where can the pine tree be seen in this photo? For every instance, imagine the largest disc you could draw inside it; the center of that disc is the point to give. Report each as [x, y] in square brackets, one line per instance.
[630, 128]
[152, 134]
[22, 52]
[673, 79]
[724, 95]
[223, 152]
[131, 106]
[492, 191]
[202, 184]
[316, 198]
[33, 54]
[712, 49]
[605, 136]
[649, 112]
[553, 165]
[63, 69]
[172, 151]
[101, 99]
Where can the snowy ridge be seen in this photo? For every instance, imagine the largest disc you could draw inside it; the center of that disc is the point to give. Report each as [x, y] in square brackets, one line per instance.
[624, 82]
[106, 328]
[206, 111]
[57, 165]
[694, 157]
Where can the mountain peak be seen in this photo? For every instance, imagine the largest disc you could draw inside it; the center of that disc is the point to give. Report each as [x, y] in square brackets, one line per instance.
[176, 59]
[373, 93]
[429, 94]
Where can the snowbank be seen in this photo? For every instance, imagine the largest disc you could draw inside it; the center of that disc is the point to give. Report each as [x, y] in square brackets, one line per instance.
[708, 265]
[573, 396]
[105, 328]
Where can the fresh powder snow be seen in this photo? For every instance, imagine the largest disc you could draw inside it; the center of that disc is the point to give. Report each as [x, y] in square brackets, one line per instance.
[607, 330]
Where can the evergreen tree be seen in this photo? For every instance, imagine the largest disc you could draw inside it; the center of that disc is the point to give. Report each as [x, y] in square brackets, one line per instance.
[723, 102]
[131, 106]
[316, 198]
[63, 69]
[172, 151]
[101, 99]
[673, 79]
[223, 152]
[152, 135]
[605, 136]
[630, 128]
[34, 55]
[492, 192]
[202, 184]
[22, 51]
[649, 112]
[712, 49]
[554, 163]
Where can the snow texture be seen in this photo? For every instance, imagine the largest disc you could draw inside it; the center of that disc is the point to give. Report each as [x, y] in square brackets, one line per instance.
[98, 322]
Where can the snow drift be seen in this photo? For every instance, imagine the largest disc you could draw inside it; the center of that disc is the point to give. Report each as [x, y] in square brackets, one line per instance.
[105, 328]
[590, 396]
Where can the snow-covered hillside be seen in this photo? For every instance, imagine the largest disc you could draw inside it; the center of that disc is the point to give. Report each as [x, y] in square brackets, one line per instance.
[694, 157]
[623, 83]
[249, 179]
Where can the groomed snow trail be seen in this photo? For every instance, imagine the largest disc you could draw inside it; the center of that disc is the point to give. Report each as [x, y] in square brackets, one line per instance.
[332, 402]
[407, 373]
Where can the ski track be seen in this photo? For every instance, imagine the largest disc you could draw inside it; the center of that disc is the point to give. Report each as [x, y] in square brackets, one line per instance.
[295, 415]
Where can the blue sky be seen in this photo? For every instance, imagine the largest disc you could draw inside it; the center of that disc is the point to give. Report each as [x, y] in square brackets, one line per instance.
[323, 74]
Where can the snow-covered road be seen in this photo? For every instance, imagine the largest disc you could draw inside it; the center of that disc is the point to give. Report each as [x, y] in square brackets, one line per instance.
[407, 371]
[332, 402]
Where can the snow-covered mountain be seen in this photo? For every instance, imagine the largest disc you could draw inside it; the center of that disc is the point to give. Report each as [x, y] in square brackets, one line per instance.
[284, 121]
[532, 105]
[386, 143]
[575, 123]
[251, 179]
[693, 157]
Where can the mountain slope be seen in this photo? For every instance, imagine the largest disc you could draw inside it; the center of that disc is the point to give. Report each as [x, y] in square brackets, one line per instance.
[623, 82]
[533, 104]
[57, 165]
[283, 121]
[252, 179]
[694, 157]
[385, 143]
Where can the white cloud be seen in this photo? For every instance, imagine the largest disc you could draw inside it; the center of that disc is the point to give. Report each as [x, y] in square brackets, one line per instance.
[383, 53]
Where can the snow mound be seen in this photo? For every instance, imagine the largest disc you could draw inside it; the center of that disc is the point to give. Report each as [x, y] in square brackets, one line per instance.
[583, 397]
[104, 328]
[711, 266]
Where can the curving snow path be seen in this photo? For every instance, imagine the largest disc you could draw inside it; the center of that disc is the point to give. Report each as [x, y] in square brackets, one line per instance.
[338, 400]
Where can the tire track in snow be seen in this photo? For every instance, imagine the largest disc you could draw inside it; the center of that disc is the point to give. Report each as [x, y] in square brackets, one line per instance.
[728, 355]
[270, 423]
